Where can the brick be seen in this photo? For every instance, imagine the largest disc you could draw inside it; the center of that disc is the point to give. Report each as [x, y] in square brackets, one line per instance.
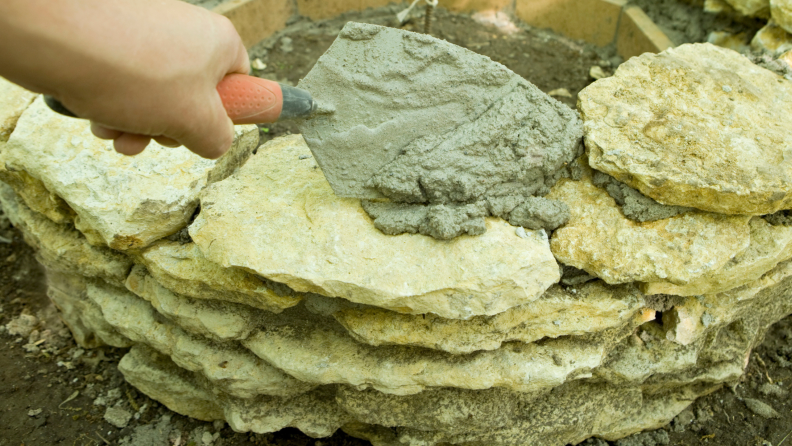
[638, 34]
[594, 21]
[256, 20]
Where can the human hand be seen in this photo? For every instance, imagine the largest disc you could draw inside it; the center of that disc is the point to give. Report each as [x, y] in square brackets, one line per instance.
[138, 69]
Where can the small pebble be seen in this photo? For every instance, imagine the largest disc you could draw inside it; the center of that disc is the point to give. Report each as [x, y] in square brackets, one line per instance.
[258, 64]
[520, 231]
[760, 408]
[560, 92]
[727, 89]
[33, 413]
[117, 417]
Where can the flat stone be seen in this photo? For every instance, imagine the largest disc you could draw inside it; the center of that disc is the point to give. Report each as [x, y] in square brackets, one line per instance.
[229, 367]
[698, 126]
[291, 228]
[769, 246]
[760, 408]
[13, 101]
[590, 308]
[314, 413]
[214, 319]
[328, 355]
[83, 317]
[751, 7]
[62, 248]
[772, 39]
[117, 417]
[123, 202]
[604, 243]
[183, 269]
[781, 11]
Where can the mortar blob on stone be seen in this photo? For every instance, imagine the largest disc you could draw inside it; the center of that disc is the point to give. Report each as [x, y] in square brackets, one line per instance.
[433, 137]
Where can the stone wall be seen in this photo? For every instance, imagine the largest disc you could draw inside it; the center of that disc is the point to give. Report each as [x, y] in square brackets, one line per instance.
[248, 292]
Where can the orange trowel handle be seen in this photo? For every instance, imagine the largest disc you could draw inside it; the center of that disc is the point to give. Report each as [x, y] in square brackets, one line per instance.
[250, 100]
[247, 100]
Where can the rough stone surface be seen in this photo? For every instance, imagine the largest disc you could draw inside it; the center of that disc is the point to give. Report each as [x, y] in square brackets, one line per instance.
[61, 247]
[213, 319]
[591, 308]
[328, 355]
[83, 317]
[117, 417]
[772, 39]
[289, 227]
[235, 370]
[604, 243]
[122, 202]
[697, 126]
[782, 13]
[751, 7]
[183, 269]
[315, 413]
[13, 101]
[437, 124]
[769, 246]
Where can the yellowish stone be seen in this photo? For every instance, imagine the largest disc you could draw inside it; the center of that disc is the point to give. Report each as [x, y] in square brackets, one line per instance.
[697, 125]
[781, 11]
[751, 7]
[773, 39]
[13, 101]
[289, 227]
[128, 202]
[600, 240]
[62, 248]
[591, 308]
[183, 269]
[769, 246]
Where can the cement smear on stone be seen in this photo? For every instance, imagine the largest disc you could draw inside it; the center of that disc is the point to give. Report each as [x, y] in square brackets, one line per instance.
[446, 135]
[635, 205]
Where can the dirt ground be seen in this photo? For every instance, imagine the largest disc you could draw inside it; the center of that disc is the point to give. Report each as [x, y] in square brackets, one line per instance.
[54, 393]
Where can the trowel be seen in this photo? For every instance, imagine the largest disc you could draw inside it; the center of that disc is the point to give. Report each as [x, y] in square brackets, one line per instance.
[247, 99]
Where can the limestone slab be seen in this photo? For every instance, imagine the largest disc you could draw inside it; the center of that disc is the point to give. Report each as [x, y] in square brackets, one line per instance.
[291, 228]
[328, 355]
[604, 243]
[772, 39]
[128, 202]
[231, 368]
[697, 126]
[13, 101]
[593, 307]
[315, 413]
[183, 269]
[769, 246]
[781, 11]
[62, 248]
[750, 7]
[213, 319]
[83, 317]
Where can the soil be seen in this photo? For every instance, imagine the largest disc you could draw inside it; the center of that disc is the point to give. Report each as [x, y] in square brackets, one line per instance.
[687, 22]
[54, 393]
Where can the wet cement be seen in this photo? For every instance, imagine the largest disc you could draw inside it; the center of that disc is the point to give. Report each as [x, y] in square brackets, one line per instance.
[445, 136]
[635, 205]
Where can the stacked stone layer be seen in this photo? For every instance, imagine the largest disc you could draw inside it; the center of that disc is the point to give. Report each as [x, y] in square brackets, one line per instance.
[280, 305]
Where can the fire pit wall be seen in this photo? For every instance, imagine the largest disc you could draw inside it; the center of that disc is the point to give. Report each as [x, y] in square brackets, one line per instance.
[248, 292]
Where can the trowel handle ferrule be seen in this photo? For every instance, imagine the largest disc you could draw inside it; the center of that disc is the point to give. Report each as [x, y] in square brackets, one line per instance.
[247, 100]
[252, 100]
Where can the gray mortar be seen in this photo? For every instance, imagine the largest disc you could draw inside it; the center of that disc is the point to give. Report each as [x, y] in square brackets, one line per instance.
[635, 205]
[447, 135]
